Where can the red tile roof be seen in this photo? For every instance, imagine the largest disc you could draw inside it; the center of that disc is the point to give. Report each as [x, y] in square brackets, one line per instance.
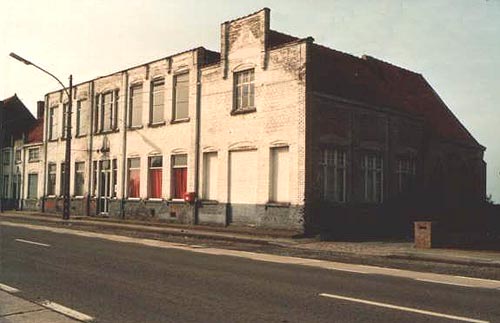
[379, 83]
[35, 134]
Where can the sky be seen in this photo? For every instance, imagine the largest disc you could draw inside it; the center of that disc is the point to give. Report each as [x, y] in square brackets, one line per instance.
[455, 44]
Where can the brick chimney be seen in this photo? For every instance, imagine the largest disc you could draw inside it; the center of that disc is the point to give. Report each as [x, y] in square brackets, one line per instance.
[40, 108]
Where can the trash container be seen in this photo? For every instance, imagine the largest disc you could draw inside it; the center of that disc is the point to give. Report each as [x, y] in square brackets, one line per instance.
[424, 237]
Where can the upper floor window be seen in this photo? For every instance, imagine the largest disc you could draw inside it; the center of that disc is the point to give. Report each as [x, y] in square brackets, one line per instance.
[81, 118]
[106, 114]
[18, 155]
[333, 175]
[6, 157]
[181, 96]
[157, 101]
[33, 154]
[64, 119]
[244, 90]
[406, 170]
[373, 178]
[53, 126]
[135, 119]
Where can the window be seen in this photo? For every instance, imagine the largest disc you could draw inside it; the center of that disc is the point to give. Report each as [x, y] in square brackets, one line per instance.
[53, 130]
[333, 175]
[157, 101]
[155, 176]
[33, 155]
[210, 176]
[179, 176]
[79, 178]
[51, 183]
[94, 178]
[106, 114]
[134, 177]
[32, 186]
[62, 181]
[6, 186]
[406, 174]
[244, 90]
[64, 119]
[81, 118]
[280, 175]
[6, 157]
[373, 178]
[18, 155]
[181, 96]
[114, 178]
[135, 106]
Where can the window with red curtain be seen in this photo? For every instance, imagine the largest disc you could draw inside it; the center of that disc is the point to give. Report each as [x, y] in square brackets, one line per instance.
[179, 176]
[134, 177]
[155, 175]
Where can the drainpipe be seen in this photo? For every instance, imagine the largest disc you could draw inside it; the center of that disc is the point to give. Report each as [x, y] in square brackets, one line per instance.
[45, 150]
[197, 138]
[124, 152]
[90, 130]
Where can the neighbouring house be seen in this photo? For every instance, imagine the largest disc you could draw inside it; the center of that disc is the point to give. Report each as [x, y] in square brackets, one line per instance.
[274, 131]
[21, 138]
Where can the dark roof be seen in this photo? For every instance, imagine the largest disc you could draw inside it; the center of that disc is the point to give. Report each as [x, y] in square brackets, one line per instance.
[276, 38]
[16, 118]
[35, 134]
[375, 82]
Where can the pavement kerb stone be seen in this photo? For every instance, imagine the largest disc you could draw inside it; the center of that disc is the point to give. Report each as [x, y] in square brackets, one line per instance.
[436, 255]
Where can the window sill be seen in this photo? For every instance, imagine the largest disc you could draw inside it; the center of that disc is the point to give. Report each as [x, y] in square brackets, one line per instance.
[177, 201]
[106, 132]
[51, 196]
[157, 124]
[53, 139]
[78, 197]
[209, 202]
[278, 204]
[81, 136]
[243, 111]
[135, 127]
[180, 120]
[33, 161]
[133, 198]
[154, 199]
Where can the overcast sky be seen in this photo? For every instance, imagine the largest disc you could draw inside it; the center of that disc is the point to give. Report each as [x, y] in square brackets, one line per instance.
[455, 44]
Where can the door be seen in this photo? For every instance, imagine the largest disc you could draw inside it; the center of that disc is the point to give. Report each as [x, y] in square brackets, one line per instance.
[104, 186]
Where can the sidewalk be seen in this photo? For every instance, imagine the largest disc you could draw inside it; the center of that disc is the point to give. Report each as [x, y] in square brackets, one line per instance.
[14, 309]
[280, 238]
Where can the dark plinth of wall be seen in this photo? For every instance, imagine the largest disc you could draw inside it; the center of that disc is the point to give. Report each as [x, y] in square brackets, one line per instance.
[267, 215]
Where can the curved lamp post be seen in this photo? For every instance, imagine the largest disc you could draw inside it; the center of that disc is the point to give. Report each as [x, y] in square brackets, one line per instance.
[67, 156]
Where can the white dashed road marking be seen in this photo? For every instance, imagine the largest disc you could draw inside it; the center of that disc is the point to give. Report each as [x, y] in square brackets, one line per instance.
[8, 289]
[33, 242]
[402, 308]
[67, 311]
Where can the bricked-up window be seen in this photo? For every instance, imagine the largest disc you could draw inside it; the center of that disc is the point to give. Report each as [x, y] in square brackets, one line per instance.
[157, 101]
[181, 96]
[32, 186]
[155, 176]
[79, 178]
[372, 168]
[51, 180]
[179, 176]
[81, 118]
[33, 155]
[210, 175]
[244, 92]
[280, 175]
[406, 171]
[134, 177]
[64, 120]
[53, 126]
[62, 182]
[106, 114]
[135, 119]
[333, 173]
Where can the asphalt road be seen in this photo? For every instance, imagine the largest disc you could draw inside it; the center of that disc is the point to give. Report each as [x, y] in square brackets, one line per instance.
[124, 282]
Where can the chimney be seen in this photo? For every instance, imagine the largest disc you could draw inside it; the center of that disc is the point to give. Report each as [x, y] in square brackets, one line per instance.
[40, 108]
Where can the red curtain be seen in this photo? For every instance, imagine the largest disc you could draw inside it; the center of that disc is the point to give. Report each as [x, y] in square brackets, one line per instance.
[180, 181]
[134, 181]
[155, 183]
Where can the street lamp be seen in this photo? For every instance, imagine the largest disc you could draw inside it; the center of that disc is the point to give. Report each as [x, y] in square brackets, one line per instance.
[67, 155]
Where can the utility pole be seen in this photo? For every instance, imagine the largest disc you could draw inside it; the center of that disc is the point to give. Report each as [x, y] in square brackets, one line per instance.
[67, 155]
[67, 159]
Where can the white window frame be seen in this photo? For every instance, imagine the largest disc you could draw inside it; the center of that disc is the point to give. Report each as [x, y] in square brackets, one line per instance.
[53, 122]
[31, 159]
[240, 84]
[373, 165]
[157, 87]
[334, 161]
[406, 170]
[135, 101]
[79, 172]
[175, 103]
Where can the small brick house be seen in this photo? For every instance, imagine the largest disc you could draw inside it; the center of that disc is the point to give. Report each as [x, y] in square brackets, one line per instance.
[274, 131]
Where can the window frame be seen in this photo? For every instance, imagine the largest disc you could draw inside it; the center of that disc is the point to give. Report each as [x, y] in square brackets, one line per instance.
[236, 92]
[175, 91]
[81, 106]
[150, 168]
[137, 169]
[29, 191]
[51, 172]
[334, 160]
[160, 83]
[132, 89]
[406, 173]
[53, 123]
[79, 172]
[33, 160]
[371, 165]
[173, 182]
